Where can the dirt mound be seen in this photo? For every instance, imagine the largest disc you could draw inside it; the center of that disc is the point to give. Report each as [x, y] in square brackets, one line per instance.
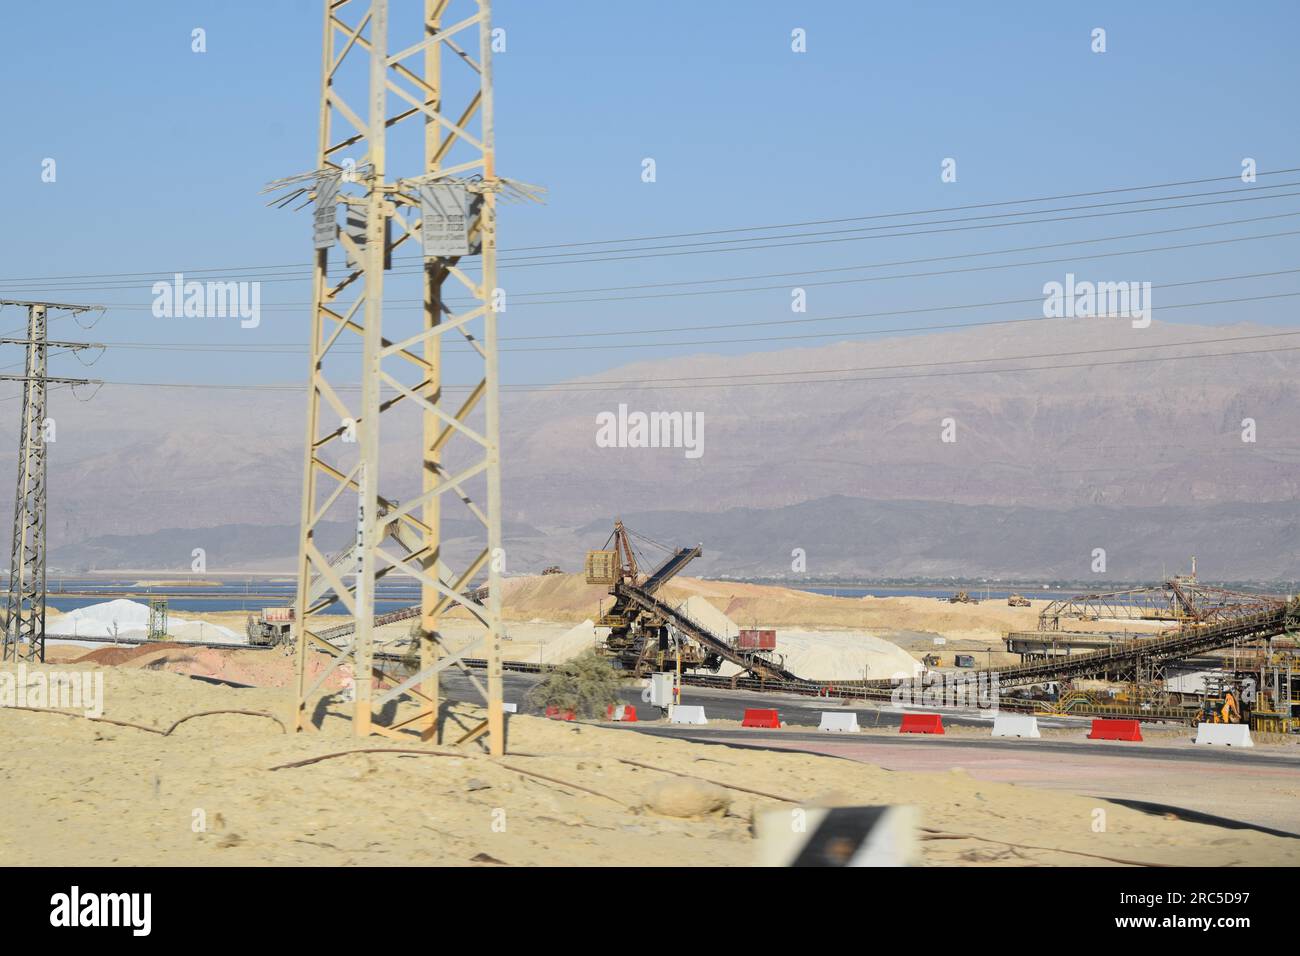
[114, 656]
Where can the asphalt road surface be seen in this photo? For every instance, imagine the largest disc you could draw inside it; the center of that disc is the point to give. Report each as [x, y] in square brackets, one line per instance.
[799, 711]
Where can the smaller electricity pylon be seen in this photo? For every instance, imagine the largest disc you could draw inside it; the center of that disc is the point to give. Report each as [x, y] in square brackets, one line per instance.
[24, 631]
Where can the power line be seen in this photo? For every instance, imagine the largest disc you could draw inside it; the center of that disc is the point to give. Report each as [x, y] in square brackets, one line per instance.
[914, 212]
[969, 219]
[655, 252]
[293, 307]
[290, 348]
[652, 384]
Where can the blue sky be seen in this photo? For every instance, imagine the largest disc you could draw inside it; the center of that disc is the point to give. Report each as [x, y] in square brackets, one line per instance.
[162, 152]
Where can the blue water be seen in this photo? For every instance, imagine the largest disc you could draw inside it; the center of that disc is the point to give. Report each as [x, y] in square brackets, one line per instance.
[993, 594]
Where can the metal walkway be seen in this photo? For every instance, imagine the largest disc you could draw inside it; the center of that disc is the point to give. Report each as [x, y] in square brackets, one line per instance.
[1186, 641]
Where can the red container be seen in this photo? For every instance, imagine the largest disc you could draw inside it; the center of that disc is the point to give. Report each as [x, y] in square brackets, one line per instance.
[752, 639]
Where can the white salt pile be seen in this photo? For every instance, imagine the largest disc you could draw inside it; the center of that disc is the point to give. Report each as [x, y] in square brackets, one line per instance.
[838, 655]
[815, 655]
[706, 615]
[569, 644]
[130, 619]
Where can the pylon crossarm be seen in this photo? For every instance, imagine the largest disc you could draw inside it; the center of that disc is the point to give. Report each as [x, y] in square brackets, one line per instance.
[55, 379]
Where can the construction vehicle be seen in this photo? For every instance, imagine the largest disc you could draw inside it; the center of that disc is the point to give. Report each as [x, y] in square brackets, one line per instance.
[932, 660]
[1222, 710]
[271, 627]
[963, 597]
[553, 569]
[1017, 600]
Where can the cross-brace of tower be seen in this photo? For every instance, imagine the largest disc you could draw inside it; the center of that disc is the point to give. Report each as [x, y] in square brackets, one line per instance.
[446, 209]
[24, 633]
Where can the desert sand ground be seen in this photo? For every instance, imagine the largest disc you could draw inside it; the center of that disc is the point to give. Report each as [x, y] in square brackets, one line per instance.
[237, 789]
[81, 791]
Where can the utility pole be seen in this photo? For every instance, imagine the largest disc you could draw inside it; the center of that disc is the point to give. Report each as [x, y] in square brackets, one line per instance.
[24, 632]
[443, 211]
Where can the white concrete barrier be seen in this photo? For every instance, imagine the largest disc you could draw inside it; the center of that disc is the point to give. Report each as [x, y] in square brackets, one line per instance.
[681, 714]
[1225, 735]
[1015, 725]
[839, 723]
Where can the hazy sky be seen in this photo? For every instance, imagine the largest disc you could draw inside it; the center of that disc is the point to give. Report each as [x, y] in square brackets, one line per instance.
[161, 153]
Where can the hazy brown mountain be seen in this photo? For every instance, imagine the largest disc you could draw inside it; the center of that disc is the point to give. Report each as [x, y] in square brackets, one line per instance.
[1121, 435]
[1040, 448]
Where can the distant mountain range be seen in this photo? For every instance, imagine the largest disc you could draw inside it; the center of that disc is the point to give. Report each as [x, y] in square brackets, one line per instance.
[1144, 459]
[840, 537]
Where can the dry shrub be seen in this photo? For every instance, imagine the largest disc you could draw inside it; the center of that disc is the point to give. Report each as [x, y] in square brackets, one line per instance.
[586, 685]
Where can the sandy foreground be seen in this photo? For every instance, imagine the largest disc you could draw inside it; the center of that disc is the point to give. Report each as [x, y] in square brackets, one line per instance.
[81, 792]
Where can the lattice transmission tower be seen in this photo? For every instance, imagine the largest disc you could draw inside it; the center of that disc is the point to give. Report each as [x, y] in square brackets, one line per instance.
[24, 632]
[434, 68]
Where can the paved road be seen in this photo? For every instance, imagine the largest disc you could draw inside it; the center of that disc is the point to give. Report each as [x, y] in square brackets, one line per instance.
[799, 711]
[1206, 784]
[796, 711]
[785, 739]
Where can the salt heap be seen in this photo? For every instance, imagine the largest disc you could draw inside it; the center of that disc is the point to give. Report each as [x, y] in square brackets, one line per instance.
[815, 655]
[571, 643]
[123, 618]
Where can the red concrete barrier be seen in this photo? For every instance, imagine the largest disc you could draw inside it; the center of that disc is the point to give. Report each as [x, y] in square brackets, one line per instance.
[921, 724]
[554, 714]
[629, 713]
[1115, 730]
[761, 718]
